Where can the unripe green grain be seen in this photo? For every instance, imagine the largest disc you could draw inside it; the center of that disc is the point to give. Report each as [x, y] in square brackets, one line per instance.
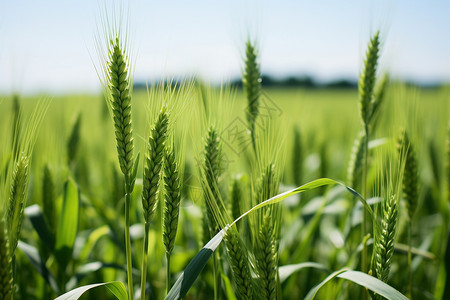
[385, 239]
[367, 79]
[119, 84]
[251, 79]
[238, 259]
[410, 177]
[16, 202]
[153, 164]
[172, 197]
[212, 170]
[267, 258]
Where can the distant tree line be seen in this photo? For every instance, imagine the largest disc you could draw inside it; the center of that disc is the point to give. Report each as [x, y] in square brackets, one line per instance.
[304, 81]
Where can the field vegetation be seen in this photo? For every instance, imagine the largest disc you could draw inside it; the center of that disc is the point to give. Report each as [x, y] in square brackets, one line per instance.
[135, 194]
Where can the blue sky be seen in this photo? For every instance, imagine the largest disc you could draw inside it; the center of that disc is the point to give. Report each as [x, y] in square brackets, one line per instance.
[48, 46]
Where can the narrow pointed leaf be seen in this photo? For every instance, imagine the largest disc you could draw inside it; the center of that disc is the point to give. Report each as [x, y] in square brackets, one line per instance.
[195, 266]
[373, 284]
[288, 270]
[68, 223]
[115, 287]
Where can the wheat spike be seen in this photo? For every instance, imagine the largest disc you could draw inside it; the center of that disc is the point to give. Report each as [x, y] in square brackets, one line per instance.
[265, 242]
[211, 172]
[267, 258]
[238, 258]
[16, 202]
[367, 79]
[410, 177]
[172, 200]
[385, 239]
[251, 80]
[153, 164]
[119, 84]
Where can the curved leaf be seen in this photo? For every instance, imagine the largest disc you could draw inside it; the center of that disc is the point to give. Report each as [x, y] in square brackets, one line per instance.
[362, 279]
[373, 284]
[288, 270]
[115, 287]
[312, 293]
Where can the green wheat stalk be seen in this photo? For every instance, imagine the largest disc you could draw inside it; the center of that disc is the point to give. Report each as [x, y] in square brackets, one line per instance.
[172, 199]
[297, 158]
[366, 86]
[211, 170]
[118, 84]
[6, 276]
[265, 241]
[151, 178]
[410, 191]
[356, 163]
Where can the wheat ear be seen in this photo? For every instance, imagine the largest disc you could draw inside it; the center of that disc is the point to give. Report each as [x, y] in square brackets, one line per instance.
[385, 239]
[119, 84]
[266, 247]
[16, 202]
[410, 177]
[172, 197]
[153, 163]
[367, 79]
[251, 79]
[238, 258]
[211, 171]
[151, 178]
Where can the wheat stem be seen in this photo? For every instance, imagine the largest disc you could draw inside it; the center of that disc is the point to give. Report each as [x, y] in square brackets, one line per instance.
[6, 276]
[119, 84]
[172, 206]
[152, 173]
